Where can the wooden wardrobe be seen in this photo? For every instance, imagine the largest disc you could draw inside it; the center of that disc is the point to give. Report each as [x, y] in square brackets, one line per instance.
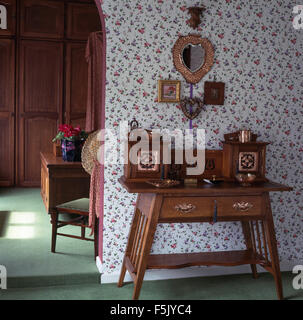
[43, 80]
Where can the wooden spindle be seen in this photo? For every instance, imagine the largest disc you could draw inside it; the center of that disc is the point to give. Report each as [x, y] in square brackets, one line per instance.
[264, 242]
[259, 239]
[137, 239]
[253, 236]
[141, 242]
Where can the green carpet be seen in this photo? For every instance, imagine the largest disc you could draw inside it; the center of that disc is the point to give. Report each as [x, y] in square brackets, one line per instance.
[235, 287]
[34, 273]
[25, 237]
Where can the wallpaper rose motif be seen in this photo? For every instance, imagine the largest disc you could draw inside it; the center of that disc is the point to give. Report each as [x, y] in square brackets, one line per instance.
[258, 54]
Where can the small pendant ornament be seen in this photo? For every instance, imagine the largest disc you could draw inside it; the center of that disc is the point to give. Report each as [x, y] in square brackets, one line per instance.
[195, 13]
[191, 107]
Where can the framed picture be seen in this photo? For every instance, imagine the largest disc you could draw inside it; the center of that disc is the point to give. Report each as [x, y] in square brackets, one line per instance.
[148, 161]
[248, 161]
[214, 93]
[169, 90]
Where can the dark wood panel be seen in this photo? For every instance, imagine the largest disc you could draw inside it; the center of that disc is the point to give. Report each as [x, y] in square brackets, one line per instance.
[36, 135]
[7, 150]
[78, 121]
[7, 108]
[82, 19]
[40, 18]
[41, 72]
[40, 92]
[10, 6]
[76, 84]
[7, 75]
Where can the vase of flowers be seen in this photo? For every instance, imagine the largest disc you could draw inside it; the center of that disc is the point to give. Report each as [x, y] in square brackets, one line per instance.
[72, 140]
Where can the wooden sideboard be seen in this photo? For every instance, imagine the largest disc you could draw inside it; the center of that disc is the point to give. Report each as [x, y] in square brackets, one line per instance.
[62, 181]
[227, 201]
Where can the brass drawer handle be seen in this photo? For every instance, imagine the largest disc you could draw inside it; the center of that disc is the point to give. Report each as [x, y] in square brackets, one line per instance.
[185, 207]
[242, 206]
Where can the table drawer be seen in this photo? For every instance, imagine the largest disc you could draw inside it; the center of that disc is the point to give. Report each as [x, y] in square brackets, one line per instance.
[210, 208]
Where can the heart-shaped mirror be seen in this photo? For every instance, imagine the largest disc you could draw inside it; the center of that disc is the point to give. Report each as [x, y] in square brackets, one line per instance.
[193, 57]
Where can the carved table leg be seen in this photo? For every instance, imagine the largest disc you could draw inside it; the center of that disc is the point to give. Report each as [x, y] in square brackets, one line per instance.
[140, 239]
[272, 246]
[144, 247]
[130, 241]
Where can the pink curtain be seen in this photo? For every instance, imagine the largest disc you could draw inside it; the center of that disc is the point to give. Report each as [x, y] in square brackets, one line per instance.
[94, 56]
[95, 120]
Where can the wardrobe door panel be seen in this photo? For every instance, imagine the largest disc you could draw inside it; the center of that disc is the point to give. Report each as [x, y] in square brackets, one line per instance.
[40, 104]
[82, 19]
[41, 69]
[7, 111]
[78, 121]
[10, 6]
[7, 150]
[7, 75]
[38, 133]
[40, 18]
[76, 83]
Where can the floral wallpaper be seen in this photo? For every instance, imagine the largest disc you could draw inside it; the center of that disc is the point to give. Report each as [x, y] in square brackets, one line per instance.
[258, 54]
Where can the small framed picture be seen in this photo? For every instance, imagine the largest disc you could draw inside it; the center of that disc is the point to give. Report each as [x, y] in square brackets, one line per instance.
[169, 90]
[248, 161]
[148, 161]
[214, 93]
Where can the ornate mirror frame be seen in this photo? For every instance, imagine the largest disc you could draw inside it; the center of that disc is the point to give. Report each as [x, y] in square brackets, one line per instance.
[196, 76]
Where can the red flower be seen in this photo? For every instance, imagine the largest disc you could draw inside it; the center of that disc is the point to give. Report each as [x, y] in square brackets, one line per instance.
[69, 130]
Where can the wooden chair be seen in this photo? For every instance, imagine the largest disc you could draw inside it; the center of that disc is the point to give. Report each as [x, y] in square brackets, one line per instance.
[78, 213]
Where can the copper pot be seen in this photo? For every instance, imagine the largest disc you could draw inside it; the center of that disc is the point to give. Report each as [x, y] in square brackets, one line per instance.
[244, 136]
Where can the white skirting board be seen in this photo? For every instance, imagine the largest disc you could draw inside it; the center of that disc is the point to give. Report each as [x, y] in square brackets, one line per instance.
[190, 272]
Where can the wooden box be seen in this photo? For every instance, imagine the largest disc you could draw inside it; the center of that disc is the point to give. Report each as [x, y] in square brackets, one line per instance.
[212, 169]
[137, 172]
[246, 157]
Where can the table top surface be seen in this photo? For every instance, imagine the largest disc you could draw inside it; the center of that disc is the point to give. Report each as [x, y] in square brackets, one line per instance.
[204, 188]
[51, 160]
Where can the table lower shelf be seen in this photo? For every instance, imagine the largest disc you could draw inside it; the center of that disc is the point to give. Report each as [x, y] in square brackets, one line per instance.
[219, 258]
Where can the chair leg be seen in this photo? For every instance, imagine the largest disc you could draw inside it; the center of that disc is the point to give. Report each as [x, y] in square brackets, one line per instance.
[82, 232]
[54, 221]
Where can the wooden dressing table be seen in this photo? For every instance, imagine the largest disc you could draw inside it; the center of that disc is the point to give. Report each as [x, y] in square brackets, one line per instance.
[62, 181]
[227, 201]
